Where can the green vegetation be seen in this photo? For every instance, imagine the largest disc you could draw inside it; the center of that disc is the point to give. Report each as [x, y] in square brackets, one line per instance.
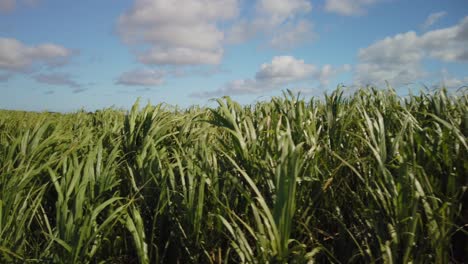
[366, 178]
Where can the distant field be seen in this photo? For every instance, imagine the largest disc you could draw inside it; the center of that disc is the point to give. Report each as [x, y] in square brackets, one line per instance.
[366, 178]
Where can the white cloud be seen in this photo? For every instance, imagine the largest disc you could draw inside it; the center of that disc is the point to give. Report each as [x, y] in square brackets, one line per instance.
[237, 87]
[16, 56]
[394, 59]
[181, 56]
[280, 21]
[292, 35]
[451, 82]
[433, 18]
[328, 72]
[240, 31]
[398, 59]
[142, 77]
[187, 32]
[348, 7]
[283, 69]
[178, 32]
[281, 72]
[454, 83]
[277, 11]
[57, 79]
[448, 44]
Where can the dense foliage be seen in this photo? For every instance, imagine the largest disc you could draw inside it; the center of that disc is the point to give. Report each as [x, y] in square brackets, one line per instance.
[369, 177]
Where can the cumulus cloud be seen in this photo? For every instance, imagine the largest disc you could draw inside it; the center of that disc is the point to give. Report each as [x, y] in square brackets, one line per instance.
[18, 57]
[280, 21]
[397, 59]
[178, 32]
[142, 77]
[394, 59]
[279, 73]
[283, 69]
[57, 79]
[433, 18]
[348, 7]
[448, 44]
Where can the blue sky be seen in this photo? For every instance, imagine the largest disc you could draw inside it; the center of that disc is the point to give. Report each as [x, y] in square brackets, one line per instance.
[67, 55]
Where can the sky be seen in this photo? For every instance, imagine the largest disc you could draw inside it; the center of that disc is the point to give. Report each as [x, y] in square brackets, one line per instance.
[58, 55]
